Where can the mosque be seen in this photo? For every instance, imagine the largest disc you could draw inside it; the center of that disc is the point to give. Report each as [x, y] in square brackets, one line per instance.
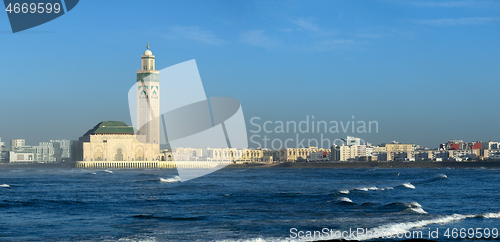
[114, 144]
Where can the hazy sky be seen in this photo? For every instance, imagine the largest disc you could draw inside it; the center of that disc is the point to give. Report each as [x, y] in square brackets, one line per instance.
[426, 71]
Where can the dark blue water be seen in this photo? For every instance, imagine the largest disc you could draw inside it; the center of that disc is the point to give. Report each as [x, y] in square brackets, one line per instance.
[244, 204]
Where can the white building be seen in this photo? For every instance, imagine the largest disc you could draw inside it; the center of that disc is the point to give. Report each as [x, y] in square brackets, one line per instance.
[354, 152]
[24, 154]
[4, 152]
[14, 143]
[354, 141]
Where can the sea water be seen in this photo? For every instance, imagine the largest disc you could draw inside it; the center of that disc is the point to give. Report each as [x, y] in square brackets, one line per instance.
[247, 204]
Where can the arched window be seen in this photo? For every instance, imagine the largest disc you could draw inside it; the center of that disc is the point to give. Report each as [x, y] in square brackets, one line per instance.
[119, 155]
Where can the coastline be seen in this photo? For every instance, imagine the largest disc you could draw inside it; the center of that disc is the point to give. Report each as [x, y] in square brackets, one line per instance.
[347, 165]
[304, 165]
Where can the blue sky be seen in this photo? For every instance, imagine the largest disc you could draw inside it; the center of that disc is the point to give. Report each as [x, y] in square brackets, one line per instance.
[426, 71]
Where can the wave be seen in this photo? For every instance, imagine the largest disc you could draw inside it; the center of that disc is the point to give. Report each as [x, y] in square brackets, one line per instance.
[417, 210]
[491, 215]
[373, 188]
[401, 228]
[345, 199]
[344, 191]
[408, 185]
[442, 176]
[170, 180]
[108, 171]
[179, 218]
[5, 185]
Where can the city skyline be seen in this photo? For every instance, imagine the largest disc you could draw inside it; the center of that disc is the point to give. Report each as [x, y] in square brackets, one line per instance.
[425, 71]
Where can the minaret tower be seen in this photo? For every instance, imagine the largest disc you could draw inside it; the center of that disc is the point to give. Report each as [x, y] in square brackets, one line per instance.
[148, 101]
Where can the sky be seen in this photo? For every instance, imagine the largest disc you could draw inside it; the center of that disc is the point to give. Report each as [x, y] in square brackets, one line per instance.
[425, 71]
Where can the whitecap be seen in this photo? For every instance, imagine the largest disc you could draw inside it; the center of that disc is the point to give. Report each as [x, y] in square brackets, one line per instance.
[408, 185]
[401, 228]
[362, 189]
[108, 171]
[372, 188]
[415, 205]
[443, 176]
[491, 215]
[418, 210]
[170, 180]
[345, 199]
[344, 191]
[5, 185]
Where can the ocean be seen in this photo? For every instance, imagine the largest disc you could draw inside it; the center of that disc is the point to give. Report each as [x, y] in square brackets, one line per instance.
[255, 204]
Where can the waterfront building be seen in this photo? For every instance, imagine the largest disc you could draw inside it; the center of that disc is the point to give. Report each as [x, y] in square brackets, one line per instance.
[397, 149]
[4, 152]
[494, 154]
[461, 155]
[320, 156]
[354, 141]
[114, 144]
[14, 143]
[148, 101]
[440, 155]
[115, 141]
[335, 153]
[23, 154]
[423, 155]
[298, 154]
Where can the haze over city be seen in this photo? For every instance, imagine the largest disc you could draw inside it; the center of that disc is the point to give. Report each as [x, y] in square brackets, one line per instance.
[425, 71]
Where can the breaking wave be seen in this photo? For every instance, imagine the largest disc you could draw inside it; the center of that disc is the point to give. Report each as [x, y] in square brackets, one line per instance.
[345, 199]
[401, 228]
[5, 185]
[491, 215]
[171, 180]
[344, 191]
[373, 188]
[408, 185]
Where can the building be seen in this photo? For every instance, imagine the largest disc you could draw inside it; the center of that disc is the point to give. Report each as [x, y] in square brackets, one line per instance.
[115, 141]
[23, 154]
[4, 152]
[298, 154]
[14, 143]
[148, 100]
[114, 144]
[354, 141]
[396, 150]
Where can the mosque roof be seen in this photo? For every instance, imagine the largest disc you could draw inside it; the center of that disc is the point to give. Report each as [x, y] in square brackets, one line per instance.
[110, 127]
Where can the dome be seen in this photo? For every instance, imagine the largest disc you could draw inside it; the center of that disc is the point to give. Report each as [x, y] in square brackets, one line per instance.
[148, 52]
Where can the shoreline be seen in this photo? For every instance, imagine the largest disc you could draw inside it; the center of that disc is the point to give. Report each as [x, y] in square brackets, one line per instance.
[354, 165]
[309, 165]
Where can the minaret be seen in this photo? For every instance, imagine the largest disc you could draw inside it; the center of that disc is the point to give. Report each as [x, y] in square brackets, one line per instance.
[148, 101]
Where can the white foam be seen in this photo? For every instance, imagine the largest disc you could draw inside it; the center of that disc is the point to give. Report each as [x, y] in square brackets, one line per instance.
[108, 171]
[418, 210]
[408, 185]
[345, 199]
[415, 205]
[264, 240]
[170, 180]
[398, 228]
[362, 189]
[373, 188]
[491, 215]
[5, 185]
[344, 191]
[443, 176]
